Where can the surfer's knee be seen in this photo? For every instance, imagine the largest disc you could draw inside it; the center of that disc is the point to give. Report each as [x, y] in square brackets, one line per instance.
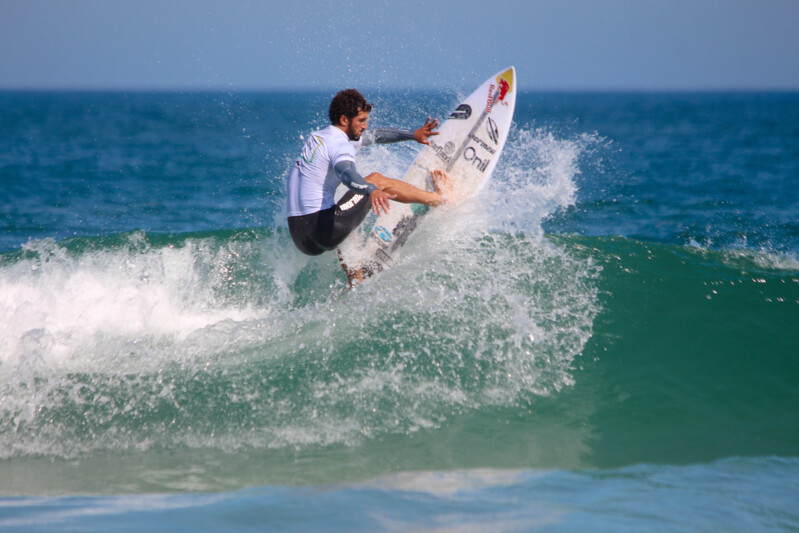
[378, 179]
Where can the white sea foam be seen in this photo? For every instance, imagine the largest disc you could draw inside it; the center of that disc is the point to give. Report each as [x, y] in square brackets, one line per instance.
[56, 307]
[509, 296]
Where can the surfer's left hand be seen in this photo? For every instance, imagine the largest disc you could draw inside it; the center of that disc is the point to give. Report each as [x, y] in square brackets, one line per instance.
[380, 200]
[422, 134]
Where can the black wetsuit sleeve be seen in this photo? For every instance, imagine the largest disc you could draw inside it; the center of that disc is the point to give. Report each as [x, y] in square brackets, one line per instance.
[386, 135]
[350, 177]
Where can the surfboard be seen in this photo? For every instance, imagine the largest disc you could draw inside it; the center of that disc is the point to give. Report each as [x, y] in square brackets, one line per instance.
[468, 147]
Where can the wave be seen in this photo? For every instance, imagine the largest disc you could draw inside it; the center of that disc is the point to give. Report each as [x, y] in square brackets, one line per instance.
[121, 332]
[105, 341]
[491, 342]
[231, 341]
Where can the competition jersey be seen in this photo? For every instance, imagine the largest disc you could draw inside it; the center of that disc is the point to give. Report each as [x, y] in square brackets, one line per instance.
[312, 181]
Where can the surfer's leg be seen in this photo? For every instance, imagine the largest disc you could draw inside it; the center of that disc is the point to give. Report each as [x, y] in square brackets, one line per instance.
[337, 223]
[302, 229]
[318, 232]
[408, 194]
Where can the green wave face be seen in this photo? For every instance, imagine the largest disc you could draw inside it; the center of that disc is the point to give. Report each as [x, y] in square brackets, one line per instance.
[697, 353]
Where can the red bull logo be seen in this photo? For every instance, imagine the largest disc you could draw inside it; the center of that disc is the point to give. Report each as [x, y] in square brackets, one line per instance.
[504, 87]
[498, 92]
[490, 101]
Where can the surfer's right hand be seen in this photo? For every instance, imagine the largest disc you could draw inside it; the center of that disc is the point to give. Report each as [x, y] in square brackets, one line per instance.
[380, 200]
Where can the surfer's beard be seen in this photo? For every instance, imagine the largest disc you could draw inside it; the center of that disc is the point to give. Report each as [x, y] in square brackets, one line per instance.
[351, 133]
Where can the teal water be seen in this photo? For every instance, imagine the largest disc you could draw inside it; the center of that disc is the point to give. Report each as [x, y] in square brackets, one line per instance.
[606, 341]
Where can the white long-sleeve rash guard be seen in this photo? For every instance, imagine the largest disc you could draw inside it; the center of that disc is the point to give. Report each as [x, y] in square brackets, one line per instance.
[346, 169]
[328, 159]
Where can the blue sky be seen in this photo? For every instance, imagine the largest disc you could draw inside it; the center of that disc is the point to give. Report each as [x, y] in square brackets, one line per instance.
[245, 45]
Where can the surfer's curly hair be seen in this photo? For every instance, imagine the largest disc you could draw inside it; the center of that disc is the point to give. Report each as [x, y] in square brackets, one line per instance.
[349, 103]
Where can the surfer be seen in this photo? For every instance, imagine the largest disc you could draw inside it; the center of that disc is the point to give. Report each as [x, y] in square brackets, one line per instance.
[317, 222]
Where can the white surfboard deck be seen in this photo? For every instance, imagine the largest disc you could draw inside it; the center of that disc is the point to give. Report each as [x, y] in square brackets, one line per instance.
[468, 147]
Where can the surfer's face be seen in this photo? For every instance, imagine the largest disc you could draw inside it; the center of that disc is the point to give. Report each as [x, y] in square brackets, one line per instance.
[357, 125]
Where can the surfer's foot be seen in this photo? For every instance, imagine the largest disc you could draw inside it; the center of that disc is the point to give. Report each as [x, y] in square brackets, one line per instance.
[443, 185]
[354, 275]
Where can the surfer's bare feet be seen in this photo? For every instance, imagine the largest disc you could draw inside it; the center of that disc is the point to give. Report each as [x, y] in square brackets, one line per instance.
[354, 275]
[443, 184]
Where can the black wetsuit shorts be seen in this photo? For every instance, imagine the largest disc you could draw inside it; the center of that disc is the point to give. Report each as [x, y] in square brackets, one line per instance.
[324, 230]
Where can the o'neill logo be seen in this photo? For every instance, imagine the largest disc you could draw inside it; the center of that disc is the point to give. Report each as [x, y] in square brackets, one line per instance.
[470, 154]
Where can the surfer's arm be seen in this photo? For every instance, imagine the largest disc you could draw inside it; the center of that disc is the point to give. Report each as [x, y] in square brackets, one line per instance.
[426, 131]
[386, 135]
[393, 135]
[352, 179]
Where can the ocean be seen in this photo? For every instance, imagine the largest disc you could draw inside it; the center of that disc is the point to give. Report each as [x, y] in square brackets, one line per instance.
[607, 339]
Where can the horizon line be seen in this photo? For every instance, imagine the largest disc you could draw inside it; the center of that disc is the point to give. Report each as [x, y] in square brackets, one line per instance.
[308, 90]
